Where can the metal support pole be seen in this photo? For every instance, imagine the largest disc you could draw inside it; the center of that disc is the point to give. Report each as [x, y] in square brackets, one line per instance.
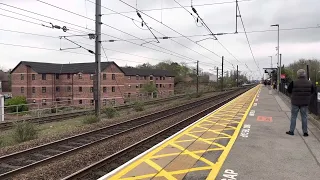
[222, 75]
[279, 70]
[197, 77]
[236, 16]
[217, 77]
[308, 72]
[97, 93]
[237, 77]
[280, 67]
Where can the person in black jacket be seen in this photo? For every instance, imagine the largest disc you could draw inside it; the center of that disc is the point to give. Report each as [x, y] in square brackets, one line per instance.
[300, 91]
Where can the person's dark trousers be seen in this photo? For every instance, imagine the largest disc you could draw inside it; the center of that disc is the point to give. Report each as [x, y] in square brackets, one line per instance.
[294, 115]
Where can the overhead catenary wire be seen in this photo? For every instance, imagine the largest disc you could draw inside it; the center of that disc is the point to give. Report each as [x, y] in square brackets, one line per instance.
[173, 30]
[172, 52]
[113, 28]
[248, 41]
[70, 52]
[179, 7]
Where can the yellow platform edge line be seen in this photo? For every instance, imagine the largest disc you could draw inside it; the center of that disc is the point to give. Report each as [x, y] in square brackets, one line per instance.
[214, 172]
[119, 172]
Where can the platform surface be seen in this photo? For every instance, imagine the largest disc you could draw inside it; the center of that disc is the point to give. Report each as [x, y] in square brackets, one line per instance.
[245, 139]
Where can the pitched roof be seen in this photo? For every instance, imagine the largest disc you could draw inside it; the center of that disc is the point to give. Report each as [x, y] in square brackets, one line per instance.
[86, 68]
[4, 76]
[146, 72]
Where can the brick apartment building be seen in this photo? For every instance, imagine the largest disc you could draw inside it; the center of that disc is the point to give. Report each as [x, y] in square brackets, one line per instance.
[73, 83]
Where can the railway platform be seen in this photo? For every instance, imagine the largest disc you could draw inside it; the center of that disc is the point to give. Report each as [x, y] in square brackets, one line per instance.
[244, 139]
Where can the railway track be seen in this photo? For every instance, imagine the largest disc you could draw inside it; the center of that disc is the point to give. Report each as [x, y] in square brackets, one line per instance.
[19, 162]
[113, 161]
[59, 117]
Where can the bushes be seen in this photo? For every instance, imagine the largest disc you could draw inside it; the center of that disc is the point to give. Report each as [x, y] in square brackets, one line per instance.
[110, 112]
[89, 119]
[138, 106]
[18, 100]
[24, 131]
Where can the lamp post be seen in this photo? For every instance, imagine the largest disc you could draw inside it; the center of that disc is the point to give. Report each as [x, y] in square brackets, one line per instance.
[279, 65]
[316, 77]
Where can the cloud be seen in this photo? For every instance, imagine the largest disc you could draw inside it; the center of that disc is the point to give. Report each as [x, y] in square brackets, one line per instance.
[256, 14]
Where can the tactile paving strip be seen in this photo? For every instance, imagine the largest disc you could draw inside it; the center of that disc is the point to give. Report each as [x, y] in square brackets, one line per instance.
[201, 149]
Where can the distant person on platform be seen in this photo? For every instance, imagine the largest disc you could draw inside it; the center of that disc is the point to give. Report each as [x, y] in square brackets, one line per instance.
[300, 91]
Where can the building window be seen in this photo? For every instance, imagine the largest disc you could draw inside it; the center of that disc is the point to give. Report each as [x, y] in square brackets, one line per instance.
[137, 77]
[68, 76]
[22, 77]
[170, 85]
[44, 102]
[57, 89]
[91, 89]
[129, 77]
[129, 86]
[145, 77]
[104, 89]
[151, 77]
[104, 76]
[140, 85]
[113, 102]
[157, 85]
[91, 76]
[22, 89]
[44, 77]
[80, 101]
[68, 89]
[113, 89]
[129, 95]
[160, 85]
[80, 76]
[164, 86]
[137, 86]
[33, 90]
[164, 78]
[92, 102]
[80, 89]
[33, 77]
[44, 89]
[157, 78]
[160, 77]
[69, 101]
[113, 76]
[57, 76]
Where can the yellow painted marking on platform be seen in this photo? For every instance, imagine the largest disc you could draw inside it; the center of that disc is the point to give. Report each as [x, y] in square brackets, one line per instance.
[214, 172]
[185, 153]
[218, 121]
[159, 168]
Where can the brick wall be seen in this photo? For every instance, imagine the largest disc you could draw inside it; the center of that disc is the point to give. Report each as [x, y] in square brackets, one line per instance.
[51, 87]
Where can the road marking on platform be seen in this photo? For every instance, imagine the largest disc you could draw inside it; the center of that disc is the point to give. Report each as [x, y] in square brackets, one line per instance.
[252, 112]
[245, 130]
[264, 118]
[229, 175]
[179, 155]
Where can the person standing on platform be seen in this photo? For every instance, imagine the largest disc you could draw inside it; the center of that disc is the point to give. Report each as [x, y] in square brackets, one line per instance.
[300, 91]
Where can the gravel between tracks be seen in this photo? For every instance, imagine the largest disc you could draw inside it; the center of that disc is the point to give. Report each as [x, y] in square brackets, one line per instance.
[63, 167]
[124, 115]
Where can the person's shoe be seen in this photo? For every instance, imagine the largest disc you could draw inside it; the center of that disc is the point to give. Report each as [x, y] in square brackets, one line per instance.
[305, 134]
[290, 133]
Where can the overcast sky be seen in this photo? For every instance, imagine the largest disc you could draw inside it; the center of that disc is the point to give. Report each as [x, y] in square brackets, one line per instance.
[257, 15]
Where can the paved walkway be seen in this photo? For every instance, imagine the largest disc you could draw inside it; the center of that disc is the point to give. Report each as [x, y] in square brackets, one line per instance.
[264, 151]
[245, 139]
